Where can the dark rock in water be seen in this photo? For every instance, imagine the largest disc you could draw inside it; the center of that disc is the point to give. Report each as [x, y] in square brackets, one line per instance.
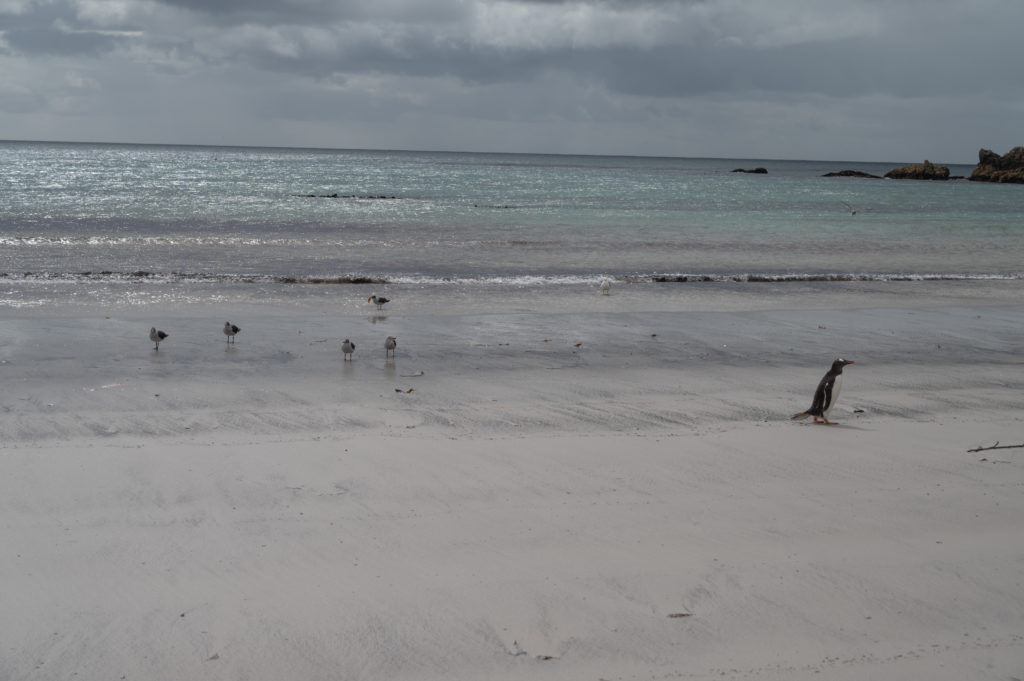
[919, 171]
[759, 171]
[995, 168]
[680, 278]
[852, 173]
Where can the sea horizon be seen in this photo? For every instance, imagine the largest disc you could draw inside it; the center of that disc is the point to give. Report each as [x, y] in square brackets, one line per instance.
[328, 149]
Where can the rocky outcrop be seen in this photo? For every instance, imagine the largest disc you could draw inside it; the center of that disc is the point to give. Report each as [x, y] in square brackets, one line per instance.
[759, 171]
[995, 168]
[919, 171]
[852, 173]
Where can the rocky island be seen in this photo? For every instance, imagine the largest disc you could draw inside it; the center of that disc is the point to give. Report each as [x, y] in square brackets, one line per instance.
[995, 168]
[852, 173]
[919, 171]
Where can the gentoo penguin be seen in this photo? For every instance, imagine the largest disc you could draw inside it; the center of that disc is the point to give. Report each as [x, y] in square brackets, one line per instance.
[230, 330]
[378, 301]
[390, 343]
[827, 393]
[347, 348]
[156, 336]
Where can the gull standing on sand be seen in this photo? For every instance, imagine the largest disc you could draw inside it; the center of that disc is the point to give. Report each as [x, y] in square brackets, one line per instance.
[390, 343]
[378, 300]
[347, 348]
[156, 336]
[606, 286]
[827, 393]
[230, 330]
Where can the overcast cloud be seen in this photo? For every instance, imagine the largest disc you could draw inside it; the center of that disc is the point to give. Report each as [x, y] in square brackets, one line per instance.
[885, 80]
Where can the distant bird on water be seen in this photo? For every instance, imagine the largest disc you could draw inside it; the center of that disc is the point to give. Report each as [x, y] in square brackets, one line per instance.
[826, 394]
[347, 348]
[156, 336]
[378, 301]
[230, 330]
[390, 343]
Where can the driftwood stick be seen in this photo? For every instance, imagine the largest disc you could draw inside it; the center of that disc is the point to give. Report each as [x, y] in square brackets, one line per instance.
[996, 446]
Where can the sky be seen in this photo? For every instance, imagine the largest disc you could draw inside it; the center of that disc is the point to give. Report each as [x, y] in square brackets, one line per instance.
[857, 80]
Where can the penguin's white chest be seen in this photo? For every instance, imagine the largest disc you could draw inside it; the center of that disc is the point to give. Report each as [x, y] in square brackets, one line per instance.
[829, 403]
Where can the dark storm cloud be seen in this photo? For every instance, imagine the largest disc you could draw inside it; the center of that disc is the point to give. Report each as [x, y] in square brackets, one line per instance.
[318, 38]
[711, 67]
[713, 53]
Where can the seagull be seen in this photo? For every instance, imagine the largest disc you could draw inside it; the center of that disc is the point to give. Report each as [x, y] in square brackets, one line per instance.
[347, 348]
[378, 301]
[390, 343]
[853, 211]
[156, 336]
[230, 330]
[606, 286]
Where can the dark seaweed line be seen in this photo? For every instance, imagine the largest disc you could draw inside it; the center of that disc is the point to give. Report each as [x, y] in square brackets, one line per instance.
[659, 278]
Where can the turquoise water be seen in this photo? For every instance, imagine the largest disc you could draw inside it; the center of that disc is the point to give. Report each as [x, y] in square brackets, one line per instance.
[111, 215]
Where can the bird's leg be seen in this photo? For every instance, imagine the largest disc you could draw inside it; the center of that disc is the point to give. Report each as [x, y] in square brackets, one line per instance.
[829, 423]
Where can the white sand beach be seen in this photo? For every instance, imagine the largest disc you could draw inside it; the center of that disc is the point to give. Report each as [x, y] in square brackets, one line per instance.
[607, 494]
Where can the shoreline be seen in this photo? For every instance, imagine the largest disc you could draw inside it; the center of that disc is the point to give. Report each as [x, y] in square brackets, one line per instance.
[69, 377]
[349, 300]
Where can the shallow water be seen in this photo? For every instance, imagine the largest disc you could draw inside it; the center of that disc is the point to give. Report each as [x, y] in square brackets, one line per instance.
[152, 225]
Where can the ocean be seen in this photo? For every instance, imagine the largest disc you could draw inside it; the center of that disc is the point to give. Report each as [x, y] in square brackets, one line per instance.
[129, 225]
